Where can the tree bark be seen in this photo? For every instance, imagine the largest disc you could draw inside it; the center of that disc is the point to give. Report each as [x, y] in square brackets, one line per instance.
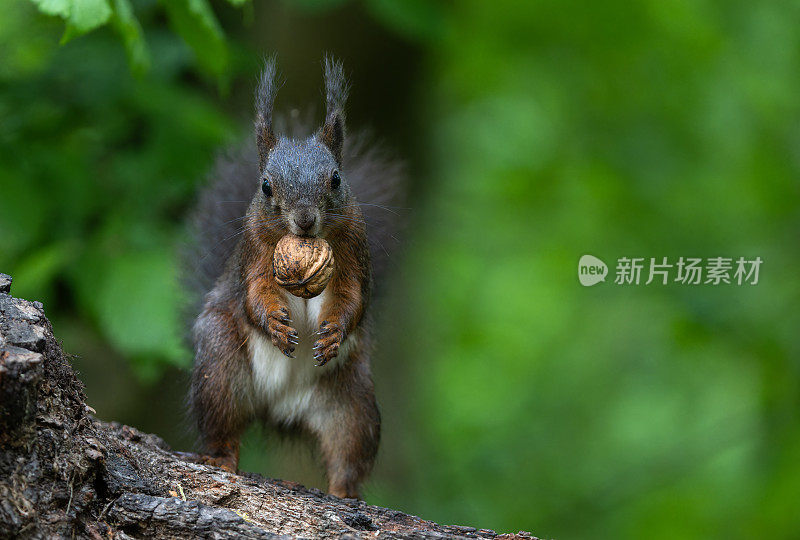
[63, 473]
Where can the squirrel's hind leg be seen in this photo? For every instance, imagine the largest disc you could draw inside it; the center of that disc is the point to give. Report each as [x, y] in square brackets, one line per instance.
[219, 399]
[347, 425]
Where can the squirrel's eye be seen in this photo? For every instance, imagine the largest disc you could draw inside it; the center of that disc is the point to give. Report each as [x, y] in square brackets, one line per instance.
[266, 188]
[335, 180]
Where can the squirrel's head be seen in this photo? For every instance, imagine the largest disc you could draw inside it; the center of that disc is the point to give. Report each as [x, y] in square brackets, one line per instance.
[302, 185]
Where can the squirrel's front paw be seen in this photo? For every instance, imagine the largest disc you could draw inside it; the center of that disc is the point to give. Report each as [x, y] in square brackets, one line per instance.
[282, 335]
[327, 346]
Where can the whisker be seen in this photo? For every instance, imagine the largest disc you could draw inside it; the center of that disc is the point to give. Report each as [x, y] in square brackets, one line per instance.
[381, 206]
[237, 219]
[385, 206]
[343, 215]
[344, 219]
[261, 223]
[216, 245]
[383, 248]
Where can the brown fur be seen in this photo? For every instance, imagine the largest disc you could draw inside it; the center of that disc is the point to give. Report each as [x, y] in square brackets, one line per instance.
[349, 441]
[222, 389]
[295, 176]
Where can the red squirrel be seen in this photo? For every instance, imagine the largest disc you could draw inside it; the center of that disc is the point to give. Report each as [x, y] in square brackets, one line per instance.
[261, 354]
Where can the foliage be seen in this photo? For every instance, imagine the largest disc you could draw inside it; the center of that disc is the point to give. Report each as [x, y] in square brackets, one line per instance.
[94, 186]
[617, 129]
[194, 20]
[551, 130]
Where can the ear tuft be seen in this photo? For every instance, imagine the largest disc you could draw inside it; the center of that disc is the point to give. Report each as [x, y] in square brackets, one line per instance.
[332, 135]
[265, 99]
[336, 90]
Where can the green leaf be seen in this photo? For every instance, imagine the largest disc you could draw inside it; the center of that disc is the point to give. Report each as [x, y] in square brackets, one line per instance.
[60, 8]
[198, 26]
[128, 27]
[85, 16]
[35, 274]
[238, 3]
[137, 302]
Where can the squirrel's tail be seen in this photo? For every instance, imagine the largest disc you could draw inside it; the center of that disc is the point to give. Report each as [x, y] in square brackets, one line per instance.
[379, 184]
[216, 221]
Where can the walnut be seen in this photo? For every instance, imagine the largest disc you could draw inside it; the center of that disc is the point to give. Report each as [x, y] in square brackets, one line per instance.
[302, 266]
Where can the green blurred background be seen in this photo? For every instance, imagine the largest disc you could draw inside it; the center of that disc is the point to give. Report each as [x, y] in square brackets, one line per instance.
[534, 132]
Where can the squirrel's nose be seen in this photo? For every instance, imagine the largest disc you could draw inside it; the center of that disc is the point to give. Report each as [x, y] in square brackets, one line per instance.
[305, 220]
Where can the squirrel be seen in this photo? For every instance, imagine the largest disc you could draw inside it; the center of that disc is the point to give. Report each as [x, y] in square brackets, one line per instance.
[261, 354]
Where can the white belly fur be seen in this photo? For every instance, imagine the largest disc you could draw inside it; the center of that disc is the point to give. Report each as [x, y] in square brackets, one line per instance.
[284, 386]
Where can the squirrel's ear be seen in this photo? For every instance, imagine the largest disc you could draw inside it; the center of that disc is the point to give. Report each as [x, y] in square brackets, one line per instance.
[265, 98]
[332, 135]
[336, 88]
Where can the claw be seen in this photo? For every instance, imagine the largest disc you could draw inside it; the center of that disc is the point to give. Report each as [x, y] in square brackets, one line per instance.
[293, 341]
[316, 347]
